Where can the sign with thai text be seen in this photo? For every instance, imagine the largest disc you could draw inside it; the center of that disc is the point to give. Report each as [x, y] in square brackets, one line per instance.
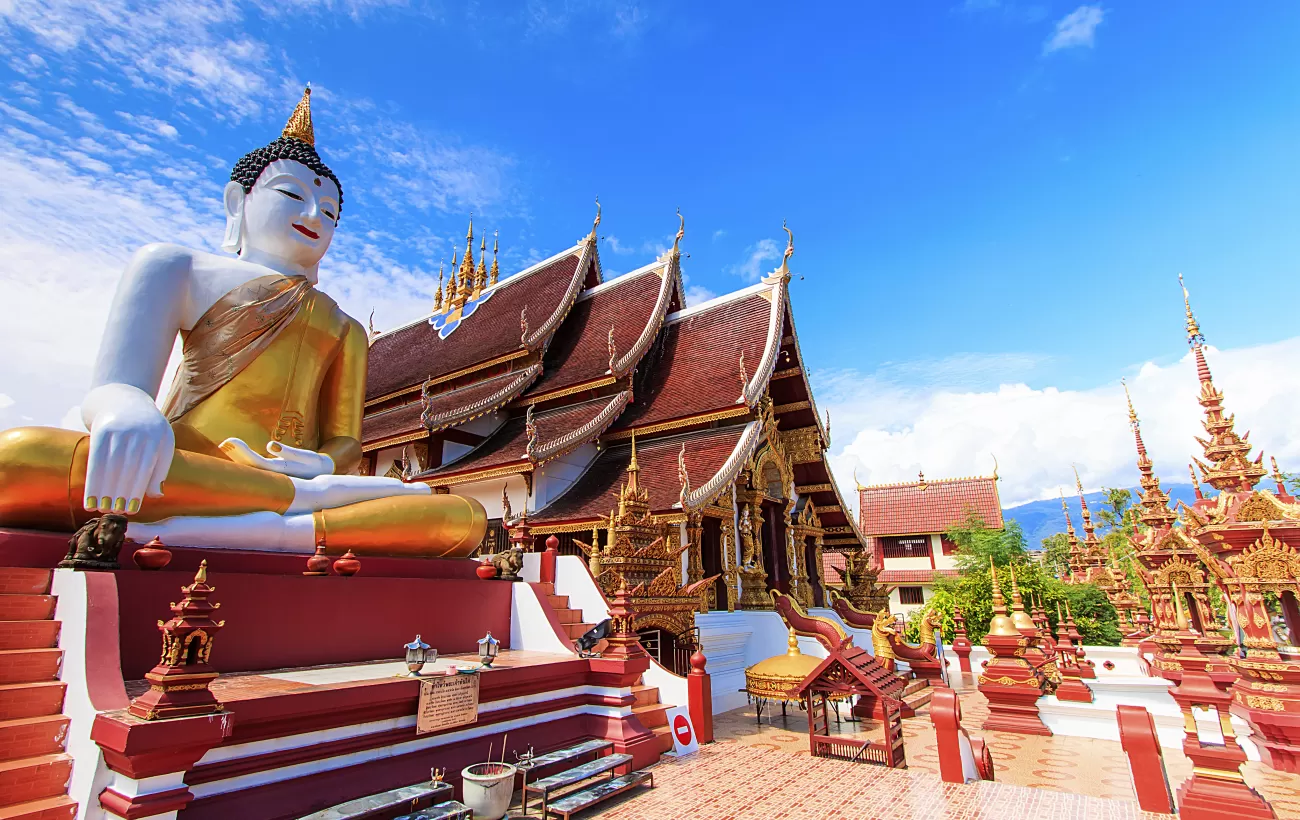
[446, 701]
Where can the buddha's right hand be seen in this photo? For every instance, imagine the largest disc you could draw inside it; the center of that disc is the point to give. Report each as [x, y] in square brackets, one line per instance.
[131, 447]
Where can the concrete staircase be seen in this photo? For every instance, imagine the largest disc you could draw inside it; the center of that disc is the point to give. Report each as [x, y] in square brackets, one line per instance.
[34, 771]
[917, 693]
[652, 714]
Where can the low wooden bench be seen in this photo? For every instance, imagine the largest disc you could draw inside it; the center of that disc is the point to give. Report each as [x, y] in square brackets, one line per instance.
[571, 753]
[387, 804]
[448, 810]
[571, 804]
[577, 774]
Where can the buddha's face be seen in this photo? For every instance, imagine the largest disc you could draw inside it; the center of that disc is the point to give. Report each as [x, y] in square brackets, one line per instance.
[290, 214]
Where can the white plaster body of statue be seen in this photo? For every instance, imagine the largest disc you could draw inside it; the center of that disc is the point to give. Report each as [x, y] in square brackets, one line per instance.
[283, 225]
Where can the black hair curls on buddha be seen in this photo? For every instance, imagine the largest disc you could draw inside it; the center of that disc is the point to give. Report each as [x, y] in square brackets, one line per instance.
[252, 164]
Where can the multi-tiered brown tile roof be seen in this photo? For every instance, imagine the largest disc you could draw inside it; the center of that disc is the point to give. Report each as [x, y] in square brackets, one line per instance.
[633, 306]
[396, 424]
[596, 493]
[404, 358]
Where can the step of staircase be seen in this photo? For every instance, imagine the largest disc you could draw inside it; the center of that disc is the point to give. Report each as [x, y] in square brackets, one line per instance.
[652, 715]
[46, 808]
[32, 736]
[28, 634]
[575, 631]
[645, 694]
[29, 665]
[23, 700]
[24, 581]
[558, 601]
[915, 685]
[568, 616]
[34, 778]
[26, 607]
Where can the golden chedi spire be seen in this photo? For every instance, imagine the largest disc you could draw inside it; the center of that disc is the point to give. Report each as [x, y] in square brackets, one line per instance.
[1000, 624]
[467, 265]
[495, 274]
[480, 273]
[299, 125]
[1154, 501]
[1019, 617]
[1228, 454]
[437, 294]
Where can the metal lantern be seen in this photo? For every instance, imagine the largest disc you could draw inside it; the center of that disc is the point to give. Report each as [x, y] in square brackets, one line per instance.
[488, 647]
[418, 654]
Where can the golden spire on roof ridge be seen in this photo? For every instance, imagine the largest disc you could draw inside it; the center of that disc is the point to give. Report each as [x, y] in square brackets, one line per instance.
[595, 223]
[371, 333]
[495, 275]
[1132, 414]
[632, 466]
[299, 126]
[1065, 508]
[480, 273]
[466, 277]
[437, 294]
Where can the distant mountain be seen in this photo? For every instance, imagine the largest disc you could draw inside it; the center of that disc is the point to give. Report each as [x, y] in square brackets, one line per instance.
[1040, 519]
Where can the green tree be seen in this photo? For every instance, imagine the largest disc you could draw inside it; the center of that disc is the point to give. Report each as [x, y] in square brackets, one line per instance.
[1055, 558]
[1113, 513]
[972, 590]
[976, 543]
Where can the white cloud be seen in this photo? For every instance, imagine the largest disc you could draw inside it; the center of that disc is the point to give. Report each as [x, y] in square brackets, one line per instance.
[718, 234]
[1076, 29]
[5, 401]
[888, 429]
[751, 267]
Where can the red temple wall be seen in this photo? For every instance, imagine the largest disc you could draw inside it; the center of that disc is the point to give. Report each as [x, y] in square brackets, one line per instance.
[279, 621]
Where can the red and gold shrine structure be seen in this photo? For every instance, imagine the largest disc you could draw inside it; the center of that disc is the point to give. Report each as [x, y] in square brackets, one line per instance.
[1248, 538]
[1010, 683]
[1176, 581]
[730, 449]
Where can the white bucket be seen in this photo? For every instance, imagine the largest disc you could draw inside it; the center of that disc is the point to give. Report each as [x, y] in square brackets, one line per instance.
[487, 788]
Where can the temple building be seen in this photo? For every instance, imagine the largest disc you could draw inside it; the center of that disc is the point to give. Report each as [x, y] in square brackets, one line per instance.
[547, 394]
[905, 525]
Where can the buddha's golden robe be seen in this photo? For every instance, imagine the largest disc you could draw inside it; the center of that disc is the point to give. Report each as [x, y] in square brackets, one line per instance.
[273, 360]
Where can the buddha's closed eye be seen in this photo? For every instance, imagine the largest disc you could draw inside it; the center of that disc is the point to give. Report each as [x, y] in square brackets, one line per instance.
[289, 194]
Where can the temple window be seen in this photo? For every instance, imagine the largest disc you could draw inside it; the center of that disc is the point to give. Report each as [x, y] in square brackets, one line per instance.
[911, 595]
[909, 546]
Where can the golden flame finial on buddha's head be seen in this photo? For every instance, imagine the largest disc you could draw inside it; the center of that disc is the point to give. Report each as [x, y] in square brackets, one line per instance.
[299, 125]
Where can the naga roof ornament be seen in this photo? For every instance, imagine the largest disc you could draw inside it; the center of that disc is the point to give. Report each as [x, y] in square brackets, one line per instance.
[782, 273]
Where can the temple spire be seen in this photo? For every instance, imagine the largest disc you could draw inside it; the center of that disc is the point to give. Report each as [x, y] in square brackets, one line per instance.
[1228, 454]
[495, 274]
[467, 265]
[1154, 500]
[480, 273]
[437, 294]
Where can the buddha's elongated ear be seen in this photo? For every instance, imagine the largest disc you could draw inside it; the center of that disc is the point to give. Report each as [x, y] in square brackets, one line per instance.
[234, 202]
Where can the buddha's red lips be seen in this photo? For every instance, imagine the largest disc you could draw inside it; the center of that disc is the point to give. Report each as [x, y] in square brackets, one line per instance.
[305, 232]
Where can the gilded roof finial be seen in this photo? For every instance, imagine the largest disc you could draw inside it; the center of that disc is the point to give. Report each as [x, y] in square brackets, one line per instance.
[683, 477]
[612, 348]
[1194, 337]
[595, 223]
[467, 263]
[480, 273]
[744, 379]
[681, 231]
[1278, 477]
[995, 467]
[530, 430]
[855, 480]
[505, 504]
[299, 125]
[523, 326]
[1132, 414]
[437, 294]
[782, 273]
[1065, 508]
[372, 333]
[920, 480]
[201, 577]
[632, 466]
[1196, 484]
[495, 274]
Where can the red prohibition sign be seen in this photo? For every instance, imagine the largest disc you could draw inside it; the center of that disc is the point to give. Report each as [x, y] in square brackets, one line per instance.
[682, 729]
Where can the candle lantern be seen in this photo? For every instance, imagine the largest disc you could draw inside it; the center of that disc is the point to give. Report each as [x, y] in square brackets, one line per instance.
[488, 647]
[418, 653]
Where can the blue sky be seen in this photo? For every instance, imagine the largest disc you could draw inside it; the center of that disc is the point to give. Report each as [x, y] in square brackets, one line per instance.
[986, 196]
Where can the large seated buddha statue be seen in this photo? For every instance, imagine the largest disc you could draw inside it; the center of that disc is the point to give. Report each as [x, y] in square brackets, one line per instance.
[253, 445]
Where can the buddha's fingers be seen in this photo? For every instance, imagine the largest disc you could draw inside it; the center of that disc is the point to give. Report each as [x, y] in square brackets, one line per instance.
[145, 458]
[101, 470]
[162, 464]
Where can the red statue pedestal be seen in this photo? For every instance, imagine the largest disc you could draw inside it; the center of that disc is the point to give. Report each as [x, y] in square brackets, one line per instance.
[1216, 789]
